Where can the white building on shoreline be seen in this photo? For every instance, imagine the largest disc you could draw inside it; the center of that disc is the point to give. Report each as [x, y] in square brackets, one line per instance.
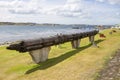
[115, 27]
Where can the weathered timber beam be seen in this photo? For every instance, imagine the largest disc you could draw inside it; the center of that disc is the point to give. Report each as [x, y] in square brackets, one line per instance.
[30, 45]
[40, 48]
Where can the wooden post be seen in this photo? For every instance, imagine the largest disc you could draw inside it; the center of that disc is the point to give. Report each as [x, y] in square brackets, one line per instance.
[91, 39]
[40, 55]
[75, 43]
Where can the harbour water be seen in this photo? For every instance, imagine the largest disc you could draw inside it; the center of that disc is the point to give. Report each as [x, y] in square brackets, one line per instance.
[11, 33]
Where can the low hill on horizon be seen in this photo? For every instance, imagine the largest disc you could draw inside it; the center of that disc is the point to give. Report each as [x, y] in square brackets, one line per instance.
[48, 24]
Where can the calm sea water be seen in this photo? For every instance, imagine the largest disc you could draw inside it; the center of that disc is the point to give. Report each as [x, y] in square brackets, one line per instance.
[10, 33]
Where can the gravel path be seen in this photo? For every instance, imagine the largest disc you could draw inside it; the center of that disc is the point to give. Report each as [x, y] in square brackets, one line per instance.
[112, 71]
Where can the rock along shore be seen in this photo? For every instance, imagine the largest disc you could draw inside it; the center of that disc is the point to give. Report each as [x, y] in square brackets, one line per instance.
[112, 70]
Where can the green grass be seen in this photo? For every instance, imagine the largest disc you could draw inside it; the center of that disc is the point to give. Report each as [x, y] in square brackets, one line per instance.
[64, 63]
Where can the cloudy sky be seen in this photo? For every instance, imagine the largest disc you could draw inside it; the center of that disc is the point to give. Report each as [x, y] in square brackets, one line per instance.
[61, 11]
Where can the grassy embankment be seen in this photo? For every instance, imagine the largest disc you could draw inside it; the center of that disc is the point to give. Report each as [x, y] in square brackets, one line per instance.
[64, 63]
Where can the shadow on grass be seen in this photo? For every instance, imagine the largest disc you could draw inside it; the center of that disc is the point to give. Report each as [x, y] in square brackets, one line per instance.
[56, 60]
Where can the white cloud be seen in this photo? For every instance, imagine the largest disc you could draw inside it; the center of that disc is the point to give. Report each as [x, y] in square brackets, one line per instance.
[114, 1]
[22, 7]
[100, 0]
[118, 13]
[44, 11]
[110, 1]
[5, 4]
[72, 8]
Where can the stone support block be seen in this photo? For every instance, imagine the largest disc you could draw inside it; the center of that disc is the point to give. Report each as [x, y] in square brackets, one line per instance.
[40, 55]
[75, 43]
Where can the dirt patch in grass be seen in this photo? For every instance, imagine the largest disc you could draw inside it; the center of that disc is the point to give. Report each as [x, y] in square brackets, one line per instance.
[112, 69]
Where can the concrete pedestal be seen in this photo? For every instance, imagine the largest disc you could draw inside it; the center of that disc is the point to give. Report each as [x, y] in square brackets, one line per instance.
[40, 55]
[75, 44]
[91, 39]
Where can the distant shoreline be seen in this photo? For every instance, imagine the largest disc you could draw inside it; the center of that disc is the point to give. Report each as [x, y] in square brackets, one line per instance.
[47, 24]
[29, 24]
